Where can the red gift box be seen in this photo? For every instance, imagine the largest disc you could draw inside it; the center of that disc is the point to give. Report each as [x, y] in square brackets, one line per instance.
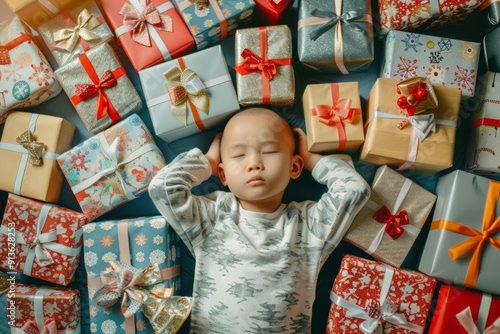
[270, 12]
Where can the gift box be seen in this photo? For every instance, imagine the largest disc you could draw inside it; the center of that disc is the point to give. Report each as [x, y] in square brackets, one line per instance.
[388, 224]
[99, 88]
[491, 50]
[212, 21]
[37, 12]
[142, 245]
[368, 295]
[270, 12]
[423, 142]
[113, 167]
[327, 43]
[26, 77]
[264, 72]
[29, 146]
[42, 309]
[203, 95]
[443, 61]
[462, 243]
[75, 31]
[161, 37]
[464, 311]
[489, 13]
[332, 113]
[48, 239]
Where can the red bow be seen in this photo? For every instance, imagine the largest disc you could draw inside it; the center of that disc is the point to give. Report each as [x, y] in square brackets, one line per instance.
[393, 223]
[254, 63]
[330, 115]
[85, 91]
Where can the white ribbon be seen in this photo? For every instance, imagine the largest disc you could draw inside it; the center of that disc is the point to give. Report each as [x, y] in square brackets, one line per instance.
[465, 316]
[47, 4]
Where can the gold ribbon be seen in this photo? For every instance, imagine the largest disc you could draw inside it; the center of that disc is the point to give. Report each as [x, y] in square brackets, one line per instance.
[35, 148]
[67, 38]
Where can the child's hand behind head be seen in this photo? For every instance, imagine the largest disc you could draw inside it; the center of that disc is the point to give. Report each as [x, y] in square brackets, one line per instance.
[213, 154]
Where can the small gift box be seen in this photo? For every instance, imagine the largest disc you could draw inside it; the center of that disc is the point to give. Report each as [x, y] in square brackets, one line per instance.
[387, 226]
[29, 146]
[26, 77]
[464, 311]
[491, 51]
[37, 12]
[332, 113]
[264, 72]
[99, 88]
[489, 12]
[212, 21]
[184, 96]
[270, 12]
[443, 61]
[367, 295]
[75, 31]
[463, 244]
[48, 239]
[335, 36]
[41, 309]
[144, 254]
[113, 167]
[420, 141]
[162, 34]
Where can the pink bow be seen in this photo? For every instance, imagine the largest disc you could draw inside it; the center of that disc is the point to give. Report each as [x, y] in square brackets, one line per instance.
[467, 322]
[49, 327]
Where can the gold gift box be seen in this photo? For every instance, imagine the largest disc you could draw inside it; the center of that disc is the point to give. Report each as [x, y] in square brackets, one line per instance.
[386, 144]
[36, 12]
[325, 138]
[38, 182]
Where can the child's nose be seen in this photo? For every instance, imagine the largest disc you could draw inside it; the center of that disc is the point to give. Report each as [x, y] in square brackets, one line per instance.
[255, 163]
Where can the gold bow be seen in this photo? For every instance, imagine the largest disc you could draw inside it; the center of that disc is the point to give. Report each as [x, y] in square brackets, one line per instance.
[67, 38]
[35, 148]
[199, 4]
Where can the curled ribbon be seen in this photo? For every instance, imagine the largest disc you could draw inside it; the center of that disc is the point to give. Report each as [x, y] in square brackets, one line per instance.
[4, 49]
[35, 149]
[393, 222]
[418, 96]
[49, 327]
[66, 39]
[348, 18]
[465, 319]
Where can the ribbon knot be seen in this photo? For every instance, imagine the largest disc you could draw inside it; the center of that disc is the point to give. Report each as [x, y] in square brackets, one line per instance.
[465, 319]
[393, 222]
[253, 63]
[37, 243]
[418, 96]
[67, 38]
[339, 112]
[35, 149]
[85, 91]
[350, 18]
[49, 327]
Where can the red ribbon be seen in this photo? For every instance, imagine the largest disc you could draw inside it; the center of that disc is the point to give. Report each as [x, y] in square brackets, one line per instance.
[4, 49]
[393, 223]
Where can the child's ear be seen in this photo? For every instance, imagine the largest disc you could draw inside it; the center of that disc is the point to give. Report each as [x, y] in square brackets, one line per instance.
[222, 175]
[297, 166]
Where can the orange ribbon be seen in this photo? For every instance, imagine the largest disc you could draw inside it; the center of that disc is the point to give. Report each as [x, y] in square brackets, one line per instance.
[4, 49]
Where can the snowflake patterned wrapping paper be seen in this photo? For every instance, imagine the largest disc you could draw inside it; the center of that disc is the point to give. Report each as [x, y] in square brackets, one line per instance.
[264, 72]
[48, 239]
[210, 97]
[212, 21]
[270, 12]
[137, 242]
[163, 36]
[335, 35]
[37, 12]
[99, 88]
[75, 31]
[113, 167]
[491, 50]
[443, 61]
[20, 173]
[379, 234]
[462, 245]
[26, 77]
[386, 144]
[459, 310]
[377, 295]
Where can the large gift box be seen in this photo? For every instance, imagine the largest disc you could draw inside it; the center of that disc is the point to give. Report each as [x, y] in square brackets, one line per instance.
[99, 88]
[489, 12]
[388, 224]
[148, 249]
[26, 78]
[443, 61]
[48, 239]
[465, 311]
[162, 34]
[185, 96]
[491, 50]
[424, 142]
[212, 21]
[29, 147]
[37, 12]
[333, 117]
[335, 36]
[75, 31]
[264, 72]
[463, 241]
[270, 12]
[368, 295]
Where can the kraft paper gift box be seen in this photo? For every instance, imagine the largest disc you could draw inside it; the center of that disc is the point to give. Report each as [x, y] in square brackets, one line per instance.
[341, 46]
[462, 245]
[147, 246]
[37, 12]
[491, 50]
[43, 309]
[264, 72]
[75, 31]
[99, 88]
[270, 12]
[464, 311]
[212, 21]
[333, 117]
[48, 239]
[386, 144]
[161, 37]
[26, 78]
[443, 61]
[208, 100]
[489, 13]
[113, 167]
[388, 225]
[374, 295]
[29, 147]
